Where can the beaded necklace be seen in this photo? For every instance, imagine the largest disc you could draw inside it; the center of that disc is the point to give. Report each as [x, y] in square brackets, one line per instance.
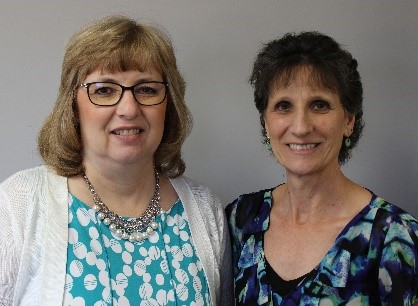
[135, 229]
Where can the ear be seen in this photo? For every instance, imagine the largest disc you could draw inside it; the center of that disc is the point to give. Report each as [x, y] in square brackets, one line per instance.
[349, 125]
[265, 126]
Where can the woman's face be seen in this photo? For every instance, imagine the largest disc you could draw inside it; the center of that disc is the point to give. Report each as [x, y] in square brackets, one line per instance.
[306, 124]
[127, 133]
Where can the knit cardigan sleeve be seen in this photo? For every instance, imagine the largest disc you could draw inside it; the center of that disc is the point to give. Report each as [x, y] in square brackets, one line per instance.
[33, 237]
[9, 248]
[17, 206]
[209, 230]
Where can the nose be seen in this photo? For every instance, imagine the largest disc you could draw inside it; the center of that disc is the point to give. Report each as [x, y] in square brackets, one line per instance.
[128, 107]
[301, 124]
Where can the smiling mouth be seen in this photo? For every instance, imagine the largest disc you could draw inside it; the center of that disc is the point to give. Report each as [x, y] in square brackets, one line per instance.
[128, 132]
[299, 147]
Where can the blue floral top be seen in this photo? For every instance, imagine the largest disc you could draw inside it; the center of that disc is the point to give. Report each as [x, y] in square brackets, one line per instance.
[374, 260]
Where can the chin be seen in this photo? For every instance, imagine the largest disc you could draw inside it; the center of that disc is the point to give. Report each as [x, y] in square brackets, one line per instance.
[127, 159]
[301, 169]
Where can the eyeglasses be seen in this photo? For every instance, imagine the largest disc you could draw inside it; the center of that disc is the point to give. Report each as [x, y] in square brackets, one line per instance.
[110, 93]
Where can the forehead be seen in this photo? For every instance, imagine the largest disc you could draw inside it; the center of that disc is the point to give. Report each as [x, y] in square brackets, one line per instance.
[150, 73]
[121, 62]
[304, 76]
[301, 84]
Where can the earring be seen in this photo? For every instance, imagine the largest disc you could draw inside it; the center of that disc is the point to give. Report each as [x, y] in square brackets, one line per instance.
[347, 142]
[267, 143]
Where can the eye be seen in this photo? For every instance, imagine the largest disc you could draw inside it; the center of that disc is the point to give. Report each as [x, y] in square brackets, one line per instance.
[321, 106]
[148, 89]
[103, 89]
[282, 106]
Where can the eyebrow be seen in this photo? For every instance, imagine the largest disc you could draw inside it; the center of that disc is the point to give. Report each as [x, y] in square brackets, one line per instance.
[139, 80]
[321, 97]
[315, 97]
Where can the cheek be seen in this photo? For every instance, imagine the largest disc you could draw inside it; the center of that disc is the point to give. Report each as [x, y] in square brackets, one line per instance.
[88, 118]
[82, 107]
[274, 125]
[158, 117]
[93, 121]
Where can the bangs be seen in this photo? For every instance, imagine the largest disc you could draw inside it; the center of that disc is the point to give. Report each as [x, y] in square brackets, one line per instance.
[319, 77]
[131, 58]
[133, 53]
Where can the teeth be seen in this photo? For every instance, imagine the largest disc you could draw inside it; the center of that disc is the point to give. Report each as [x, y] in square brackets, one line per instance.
[127, 132]
[302, 147]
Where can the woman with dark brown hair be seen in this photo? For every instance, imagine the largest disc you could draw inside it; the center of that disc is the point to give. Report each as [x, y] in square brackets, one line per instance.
[319, 238]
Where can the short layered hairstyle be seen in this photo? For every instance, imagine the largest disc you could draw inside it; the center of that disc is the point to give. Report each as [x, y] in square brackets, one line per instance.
[333, 68]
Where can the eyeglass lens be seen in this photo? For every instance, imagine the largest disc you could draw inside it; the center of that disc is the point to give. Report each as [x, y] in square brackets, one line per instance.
[105, 93]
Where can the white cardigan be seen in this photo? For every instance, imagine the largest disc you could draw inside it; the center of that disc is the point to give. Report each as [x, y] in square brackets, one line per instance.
[34, 237]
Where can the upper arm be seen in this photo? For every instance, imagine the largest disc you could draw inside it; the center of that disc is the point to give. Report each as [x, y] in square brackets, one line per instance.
[235, 235]
[398, 269]
[214, 220]
[226, 270]
[9, 251]
[219, 235]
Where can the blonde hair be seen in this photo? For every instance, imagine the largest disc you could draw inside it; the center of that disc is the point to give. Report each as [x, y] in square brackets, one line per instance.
[114, 43]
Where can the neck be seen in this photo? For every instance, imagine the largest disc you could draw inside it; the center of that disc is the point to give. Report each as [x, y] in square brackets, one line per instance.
[124, 181]
[315, 197]
[126, 191]
[135, 229]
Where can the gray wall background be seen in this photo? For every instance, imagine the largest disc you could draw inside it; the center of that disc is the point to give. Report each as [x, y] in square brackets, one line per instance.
[216, 42]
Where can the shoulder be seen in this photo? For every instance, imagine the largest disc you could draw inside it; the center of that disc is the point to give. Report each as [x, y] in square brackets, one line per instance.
[21, 190]
[250, 208]
[31, 177]
[398, 223]
[198, 199]
[201, 193]
[19, 196]
[248, 200]
[390, 214]
[194, 185]
[26, 174]
[202, 206]
[24, 181]
[394, 231]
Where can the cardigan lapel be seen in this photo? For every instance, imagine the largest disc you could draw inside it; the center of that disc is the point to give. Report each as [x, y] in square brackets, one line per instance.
[199, 234]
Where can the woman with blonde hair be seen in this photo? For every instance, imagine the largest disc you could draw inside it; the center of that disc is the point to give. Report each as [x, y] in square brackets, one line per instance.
[110, 218]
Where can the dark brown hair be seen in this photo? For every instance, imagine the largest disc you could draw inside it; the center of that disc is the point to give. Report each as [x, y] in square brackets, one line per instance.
[332, 66]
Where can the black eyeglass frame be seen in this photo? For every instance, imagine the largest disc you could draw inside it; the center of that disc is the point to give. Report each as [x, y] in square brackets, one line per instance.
[131, 88]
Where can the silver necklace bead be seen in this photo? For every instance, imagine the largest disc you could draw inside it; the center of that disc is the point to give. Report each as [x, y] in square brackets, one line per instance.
[135, 229]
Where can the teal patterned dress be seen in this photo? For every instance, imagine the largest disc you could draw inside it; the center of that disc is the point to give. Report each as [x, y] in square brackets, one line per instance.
[374, 260]
[103, 269]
